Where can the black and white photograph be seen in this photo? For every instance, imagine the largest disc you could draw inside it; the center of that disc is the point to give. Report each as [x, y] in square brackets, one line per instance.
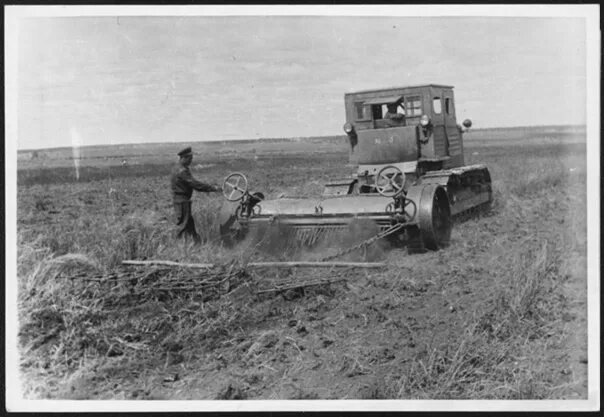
[279, 208]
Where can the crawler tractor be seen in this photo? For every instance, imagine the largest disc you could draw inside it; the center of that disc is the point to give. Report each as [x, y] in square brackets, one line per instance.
[411, 179]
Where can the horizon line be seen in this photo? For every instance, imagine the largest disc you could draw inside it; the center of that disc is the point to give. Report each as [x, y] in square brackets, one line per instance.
[288, 138]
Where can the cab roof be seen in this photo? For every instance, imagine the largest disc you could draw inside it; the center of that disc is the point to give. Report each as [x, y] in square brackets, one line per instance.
[383, 90]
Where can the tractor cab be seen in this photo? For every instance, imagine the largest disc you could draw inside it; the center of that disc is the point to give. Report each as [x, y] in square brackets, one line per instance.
[412, 128]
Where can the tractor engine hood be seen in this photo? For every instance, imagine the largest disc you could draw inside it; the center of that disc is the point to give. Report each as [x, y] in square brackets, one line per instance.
[385, 146]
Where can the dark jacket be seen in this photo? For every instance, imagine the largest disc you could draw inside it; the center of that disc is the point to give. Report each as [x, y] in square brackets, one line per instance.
[394, 119]
[183, 184]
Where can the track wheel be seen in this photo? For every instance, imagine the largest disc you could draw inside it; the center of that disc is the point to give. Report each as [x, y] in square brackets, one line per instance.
[434, 217]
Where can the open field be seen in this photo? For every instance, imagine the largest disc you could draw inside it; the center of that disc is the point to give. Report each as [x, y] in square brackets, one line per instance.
[500, 314]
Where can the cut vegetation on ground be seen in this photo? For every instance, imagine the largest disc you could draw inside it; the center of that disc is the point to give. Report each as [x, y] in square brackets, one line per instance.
[500, 314]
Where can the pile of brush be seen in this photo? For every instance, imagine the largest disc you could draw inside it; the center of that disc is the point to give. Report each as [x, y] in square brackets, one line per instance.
[71, 310]
[76, 277]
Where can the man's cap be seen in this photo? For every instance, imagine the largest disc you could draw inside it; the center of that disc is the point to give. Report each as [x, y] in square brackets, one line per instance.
[186, 151]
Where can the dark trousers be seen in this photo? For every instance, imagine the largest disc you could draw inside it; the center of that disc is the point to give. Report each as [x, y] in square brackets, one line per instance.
[185, 225]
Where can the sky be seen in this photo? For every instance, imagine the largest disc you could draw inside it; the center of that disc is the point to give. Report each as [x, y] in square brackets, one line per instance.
[118, 79]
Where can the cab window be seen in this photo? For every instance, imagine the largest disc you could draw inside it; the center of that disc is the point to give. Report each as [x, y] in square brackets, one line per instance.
[436, 105]
[359, 110]
[376, 112]
[448, 105]
[380, 110]
[414, 106]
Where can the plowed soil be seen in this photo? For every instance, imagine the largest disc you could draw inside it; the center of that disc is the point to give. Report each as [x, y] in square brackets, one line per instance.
[499, 314]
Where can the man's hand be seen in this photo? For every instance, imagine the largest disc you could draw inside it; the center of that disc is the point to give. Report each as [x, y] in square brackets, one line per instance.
[217, 188]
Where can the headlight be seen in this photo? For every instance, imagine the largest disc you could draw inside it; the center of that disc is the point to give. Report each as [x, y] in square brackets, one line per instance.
[424, 121]
[348, 128]
[467, 123]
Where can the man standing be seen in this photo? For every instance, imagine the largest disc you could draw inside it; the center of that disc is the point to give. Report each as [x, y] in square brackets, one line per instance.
[183, 184]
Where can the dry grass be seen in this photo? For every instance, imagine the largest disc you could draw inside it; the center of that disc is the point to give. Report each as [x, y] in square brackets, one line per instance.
[82, 338]
[68, 323]
[477, 364]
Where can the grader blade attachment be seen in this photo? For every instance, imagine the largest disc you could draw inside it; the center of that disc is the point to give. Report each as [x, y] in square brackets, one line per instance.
[311, 235]
[312, 231]
[285, 224]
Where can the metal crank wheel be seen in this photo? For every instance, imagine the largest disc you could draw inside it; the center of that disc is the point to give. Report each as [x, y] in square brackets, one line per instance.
[409, 208]
[234, 186]
[390, 181]
[434, 217]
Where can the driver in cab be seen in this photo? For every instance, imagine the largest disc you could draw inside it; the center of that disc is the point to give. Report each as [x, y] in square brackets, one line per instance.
[393, 117]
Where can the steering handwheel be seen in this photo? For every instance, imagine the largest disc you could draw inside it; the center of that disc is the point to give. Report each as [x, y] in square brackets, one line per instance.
[390, 181]
[234, 186]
